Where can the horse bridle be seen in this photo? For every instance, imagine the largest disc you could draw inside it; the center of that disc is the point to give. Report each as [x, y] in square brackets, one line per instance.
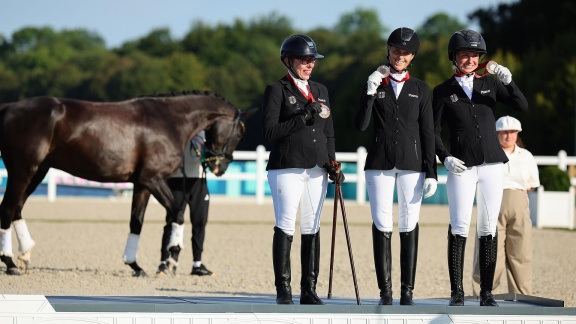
[219, 155]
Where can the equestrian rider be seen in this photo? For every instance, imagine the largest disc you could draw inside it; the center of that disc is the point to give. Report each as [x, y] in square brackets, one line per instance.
[301, 134]
[465, 103]
[402, 154]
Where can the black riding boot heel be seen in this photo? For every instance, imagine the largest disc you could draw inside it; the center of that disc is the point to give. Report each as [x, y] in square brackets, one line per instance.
[488, 253]
[310, 257]
[408, 259]
[456, 249]
[281, 245]
[382, 246]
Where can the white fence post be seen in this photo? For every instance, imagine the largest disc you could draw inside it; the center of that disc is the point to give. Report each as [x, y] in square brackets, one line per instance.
[562, 160]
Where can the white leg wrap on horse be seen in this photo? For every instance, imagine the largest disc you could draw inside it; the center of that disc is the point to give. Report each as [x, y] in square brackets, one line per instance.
[6, 242]
[131, 248]
[177, 236]
[25, 241]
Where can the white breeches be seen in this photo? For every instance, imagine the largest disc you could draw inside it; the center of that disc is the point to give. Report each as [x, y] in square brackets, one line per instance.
[461, 189]
[298, 188]
[380, 186]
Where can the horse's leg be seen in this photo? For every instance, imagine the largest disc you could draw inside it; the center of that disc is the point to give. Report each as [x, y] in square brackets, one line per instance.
[25, 241]
[173, 234]
[6, 252]
[172, 243]
[19, 186]
[140, 197]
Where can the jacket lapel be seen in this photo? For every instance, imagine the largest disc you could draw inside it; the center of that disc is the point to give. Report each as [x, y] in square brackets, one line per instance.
[455, 88]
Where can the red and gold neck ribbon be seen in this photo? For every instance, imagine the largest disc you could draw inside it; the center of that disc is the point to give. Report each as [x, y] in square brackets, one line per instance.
[387, 79]
[308, 96]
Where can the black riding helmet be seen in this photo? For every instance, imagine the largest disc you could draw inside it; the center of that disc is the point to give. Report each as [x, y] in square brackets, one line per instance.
[404, 38]
[298, 45]
[466, 40]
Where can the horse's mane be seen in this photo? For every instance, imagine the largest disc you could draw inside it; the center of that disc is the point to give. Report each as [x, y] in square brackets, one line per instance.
[184, 93]
[189, 93]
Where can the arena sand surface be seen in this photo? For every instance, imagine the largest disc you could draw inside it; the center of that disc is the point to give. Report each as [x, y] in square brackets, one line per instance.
[80, 242]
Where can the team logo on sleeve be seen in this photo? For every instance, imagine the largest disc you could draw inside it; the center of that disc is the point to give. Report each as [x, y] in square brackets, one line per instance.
[292, 100]
[454, 98]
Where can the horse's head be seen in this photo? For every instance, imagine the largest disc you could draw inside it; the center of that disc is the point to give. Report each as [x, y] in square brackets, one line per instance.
[222, 138]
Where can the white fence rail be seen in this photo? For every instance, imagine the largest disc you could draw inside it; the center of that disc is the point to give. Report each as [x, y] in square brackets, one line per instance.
[260, 156]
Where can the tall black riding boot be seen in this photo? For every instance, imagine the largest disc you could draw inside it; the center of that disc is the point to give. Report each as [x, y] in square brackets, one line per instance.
[408, 259]
[382, 246]
[281, 245]
[488, 253]
[456, 249]
[310, 257]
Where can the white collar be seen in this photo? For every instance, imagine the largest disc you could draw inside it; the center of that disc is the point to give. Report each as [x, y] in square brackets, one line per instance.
[398, 76]
[301, 84]
[466, 78]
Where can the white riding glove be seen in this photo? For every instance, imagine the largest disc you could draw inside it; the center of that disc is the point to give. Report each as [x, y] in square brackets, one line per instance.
[454, 165]
[430, 186]
[503, 74]
[374, 81]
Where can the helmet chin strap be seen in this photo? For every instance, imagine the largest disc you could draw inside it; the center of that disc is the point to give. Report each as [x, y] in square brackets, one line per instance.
[393, 70]
[458, 71]
[294, 74]
[480, 66]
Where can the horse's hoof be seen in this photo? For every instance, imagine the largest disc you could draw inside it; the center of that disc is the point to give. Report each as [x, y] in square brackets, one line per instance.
[23, 265]
[172, 266]
[164, 269]
[139, 274]
[14, 271]
[25, 257]
[24, 261]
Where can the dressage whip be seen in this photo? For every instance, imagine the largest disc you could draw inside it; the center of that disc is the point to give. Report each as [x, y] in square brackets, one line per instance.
[338, 196]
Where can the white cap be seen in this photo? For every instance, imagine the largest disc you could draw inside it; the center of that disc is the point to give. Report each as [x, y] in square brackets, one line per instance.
[508, 123]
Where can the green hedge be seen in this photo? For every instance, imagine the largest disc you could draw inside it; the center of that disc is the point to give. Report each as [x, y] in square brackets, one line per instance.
[554, 179]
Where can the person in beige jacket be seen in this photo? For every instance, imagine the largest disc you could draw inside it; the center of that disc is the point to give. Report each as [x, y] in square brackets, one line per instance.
[514, 224]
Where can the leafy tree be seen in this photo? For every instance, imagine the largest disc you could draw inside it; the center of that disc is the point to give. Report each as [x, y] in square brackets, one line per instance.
[239, 59]
[527, 24]
[39, 61]
[158, 43]
[186, 72]
[539, 43]
[137, 75]
[439, 25]
[360, 20]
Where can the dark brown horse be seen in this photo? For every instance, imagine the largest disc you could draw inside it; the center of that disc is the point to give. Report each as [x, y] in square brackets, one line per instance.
[139, 140]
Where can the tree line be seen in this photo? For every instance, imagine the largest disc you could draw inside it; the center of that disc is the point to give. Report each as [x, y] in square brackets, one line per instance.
[238, 60]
